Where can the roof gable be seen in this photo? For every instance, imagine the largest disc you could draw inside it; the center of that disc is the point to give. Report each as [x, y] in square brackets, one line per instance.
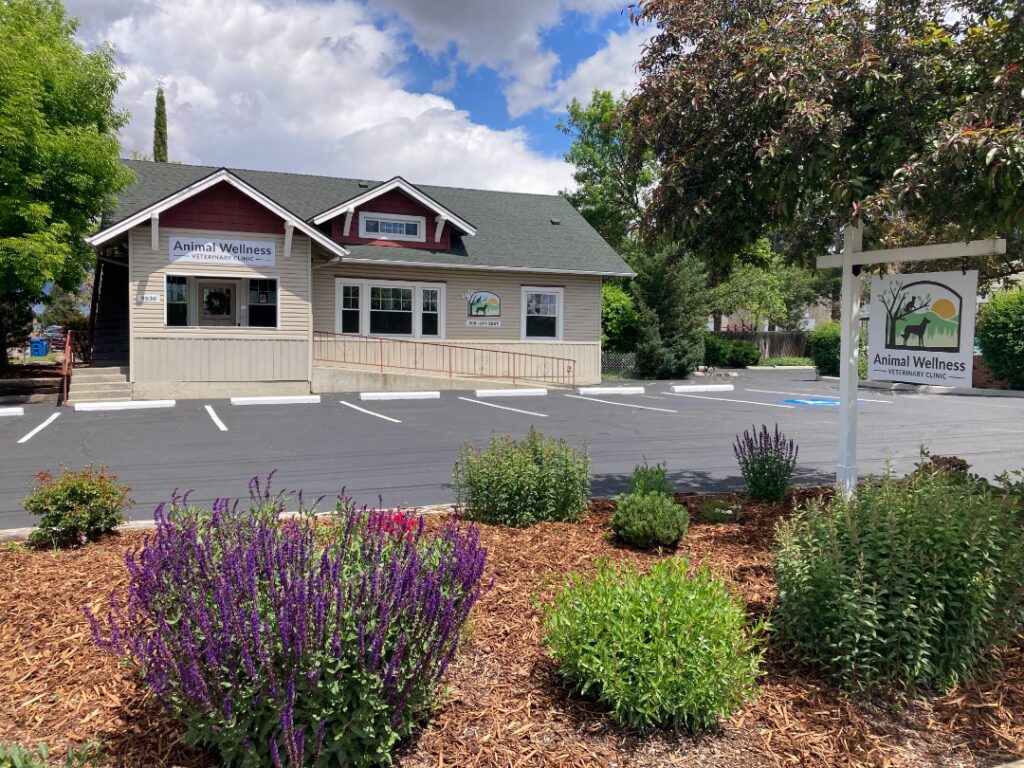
[400, 184]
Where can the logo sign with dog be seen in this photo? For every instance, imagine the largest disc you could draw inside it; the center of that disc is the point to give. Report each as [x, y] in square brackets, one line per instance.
[921, 329]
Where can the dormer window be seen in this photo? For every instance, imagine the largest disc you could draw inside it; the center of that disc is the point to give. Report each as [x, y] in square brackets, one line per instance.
[392, 226]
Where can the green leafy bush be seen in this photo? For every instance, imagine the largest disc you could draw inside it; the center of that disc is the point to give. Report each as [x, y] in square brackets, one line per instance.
[732, 353]
[1001, 336]
[825, 346]
[619, 319]
[911, 582]
[767, 461]
[522, 482]
[16, 756]
[649, 520]
[76, 506]
[661, 649]
[721, 510]
[648, 479]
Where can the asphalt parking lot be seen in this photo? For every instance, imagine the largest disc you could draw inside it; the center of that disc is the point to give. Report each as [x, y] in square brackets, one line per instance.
[402, 451]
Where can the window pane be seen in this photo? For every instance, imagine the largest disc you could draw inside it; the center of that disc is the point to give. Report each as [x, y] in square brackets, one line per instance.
[544, 304]
[177, 314]
[350, 321]
[391, 322]
[393, 299]
[412, 228]
[429, 324]
[176, 289]
[263, 292]
[430, 300]
[350, 297]
[541, 327]
[372, 225]
[262, 316]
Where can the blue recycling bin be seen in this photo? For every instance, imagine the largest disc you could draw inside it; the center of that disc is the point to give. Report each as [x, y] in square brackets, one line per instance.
[40, 347]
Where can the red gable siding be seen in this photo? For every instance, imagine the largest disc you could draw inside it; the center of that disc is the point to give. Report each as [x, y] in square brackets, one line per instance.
[222, 206]
[394, 201]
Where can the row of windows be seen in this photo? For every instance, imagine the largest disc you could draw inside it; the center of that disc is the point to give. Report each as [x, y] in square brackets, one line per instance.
[218, 302]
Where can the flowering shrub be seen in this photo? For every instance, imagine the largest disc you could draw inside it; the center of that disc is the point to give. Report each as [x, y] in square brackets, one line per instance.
[76, 506]
[767, 461]
[287, 643]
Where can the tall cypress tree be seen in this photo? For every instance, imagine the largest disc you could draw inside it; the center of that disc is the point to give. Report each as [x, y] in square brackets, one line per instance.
[160, 127]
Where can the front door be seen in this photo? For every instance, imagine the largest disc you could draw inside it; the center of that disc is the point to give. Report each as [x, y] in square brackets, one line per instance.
[218, 303]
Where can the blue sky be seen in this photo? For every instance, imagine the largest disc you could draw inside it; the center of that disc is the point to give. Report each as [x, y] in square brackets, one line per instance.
[460, 92]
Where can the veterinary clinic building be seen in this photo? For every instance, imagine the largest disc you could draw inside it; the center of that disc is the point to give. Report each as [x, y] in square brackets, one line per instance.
[215, 282]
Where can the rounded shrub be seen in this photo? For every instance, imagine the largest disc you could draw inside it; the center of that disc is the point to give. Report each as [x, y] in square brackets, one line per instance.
[742, 354]
[825, 346]
[911, 582]
[1001, 336]
[522, 482]
[76, 506]
[291, 643]
[659, 649]
[649, 520]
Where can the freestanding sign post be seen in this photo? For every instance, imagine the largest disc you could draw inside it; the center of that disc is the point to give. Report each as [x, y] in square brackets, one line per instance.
[850, 261]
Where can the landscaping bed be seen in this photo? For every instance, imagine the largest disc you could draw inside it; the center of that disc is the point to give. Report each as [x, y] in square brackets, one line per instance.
[505, 705]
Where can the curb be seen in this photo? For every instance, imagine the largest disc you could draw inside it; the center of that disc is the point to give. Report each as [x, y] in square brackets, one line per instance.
[610, 390]
[485, 393]
[426, 395]
[122, 405]
[12, 410]
[932, 389]
[780, 368]
[681, 388]
[22, 534]
[278, 400]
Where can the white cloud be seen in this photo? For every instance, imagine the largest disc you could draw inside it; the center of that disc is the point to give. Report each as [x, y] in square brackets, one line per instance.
[613, 68]
[503, 35]
[302, 87]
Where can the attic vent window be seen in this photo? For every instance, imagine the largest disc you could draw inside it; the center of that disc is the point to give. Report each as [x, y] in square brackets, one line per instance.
[392, 226]
[556, 222]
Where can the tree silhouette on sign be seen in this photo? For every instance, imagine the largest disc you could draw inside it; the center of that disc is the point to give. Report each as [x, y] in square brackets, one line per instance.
[897, 309]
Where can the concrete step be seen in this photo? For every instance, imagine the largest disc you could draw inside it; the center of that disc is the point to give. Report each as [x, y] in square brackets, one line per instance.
[100, 386]
[86, 375]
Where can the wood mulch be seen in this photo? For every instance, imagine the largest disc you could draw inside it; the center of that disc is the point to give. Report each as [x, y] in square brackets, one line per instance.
[504, 704]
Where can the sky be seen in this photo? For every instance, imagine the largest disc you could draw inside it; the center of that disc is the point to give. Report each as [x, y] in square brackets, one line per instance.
[452, 92]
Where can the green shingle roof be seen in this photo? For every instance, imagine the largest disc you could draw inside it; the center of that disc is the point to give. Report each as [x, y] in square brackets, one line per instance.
[514, 230]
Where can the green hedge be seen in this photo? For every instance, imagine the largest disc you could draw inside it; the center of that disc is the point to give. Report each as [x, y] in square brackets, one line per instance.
[1001, 336]
[721, 352]
[826, 342]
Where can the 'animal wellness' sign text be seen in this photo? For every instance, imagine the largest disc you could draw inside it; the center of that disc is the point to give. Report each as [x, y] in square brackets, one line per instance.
[206, 250]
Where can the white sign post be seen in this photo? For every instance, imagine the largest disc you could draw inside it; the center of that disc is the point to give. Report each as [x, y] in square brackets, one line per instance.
[850, 261]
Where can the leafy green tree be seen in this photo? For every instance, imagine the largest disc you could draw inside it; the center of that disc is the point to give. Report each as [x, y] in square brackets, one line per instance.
[798, 117]
[671, 291]
[58, 152]
[64, 308]
[619, 319]
[160, 127]
[612, 178]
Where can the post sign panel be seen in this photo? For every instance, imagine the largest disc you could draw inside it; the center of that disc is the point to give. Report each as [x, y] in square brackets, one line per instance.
[212, 250]
[921, 328]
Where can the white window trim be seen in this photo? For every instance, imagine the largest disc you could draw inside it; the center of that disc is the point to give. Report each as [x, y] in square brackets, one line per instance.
[420, 220]
[417, 307]
[193, 303]
[560, 319]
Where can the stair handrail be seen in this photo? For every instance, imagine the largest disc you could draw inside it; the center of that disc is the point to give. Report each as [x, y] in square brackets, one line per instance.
[67, 366]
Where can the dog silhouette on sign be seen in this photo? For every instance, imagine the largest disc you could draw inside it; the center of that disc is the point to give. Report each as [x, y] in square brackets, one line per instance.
[910, 331]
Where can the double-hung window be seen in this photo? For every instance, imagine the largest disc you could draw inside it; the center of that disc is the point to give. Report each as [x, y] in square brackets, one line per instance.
[389, 308]
[542, 314]
[177, 300]
[262, 303]
[392, 226]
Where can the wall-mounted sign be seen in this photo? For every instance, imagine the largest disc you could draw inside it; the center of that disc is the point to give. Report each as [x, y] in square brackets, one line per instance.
[922, 328]
[147, 298]
[482, 304]
[208, 250]
[481, 322]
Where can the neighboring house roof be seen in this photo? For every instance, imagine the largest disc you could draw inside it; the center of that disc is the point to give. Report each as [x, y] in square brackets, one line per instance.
[513, 230]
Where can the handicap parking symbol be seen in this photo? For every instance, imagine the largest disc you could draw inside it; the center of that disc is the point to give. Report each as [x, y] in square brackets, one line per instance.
[801, 401]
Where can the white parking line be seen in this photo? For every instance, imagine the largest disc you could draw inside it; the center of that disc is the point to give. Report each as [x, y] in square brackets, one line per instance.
[370, 413]
[731, 400]
[39, 429]
[624, 405]
[216, 419]
[817, 397]
[503, 407]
